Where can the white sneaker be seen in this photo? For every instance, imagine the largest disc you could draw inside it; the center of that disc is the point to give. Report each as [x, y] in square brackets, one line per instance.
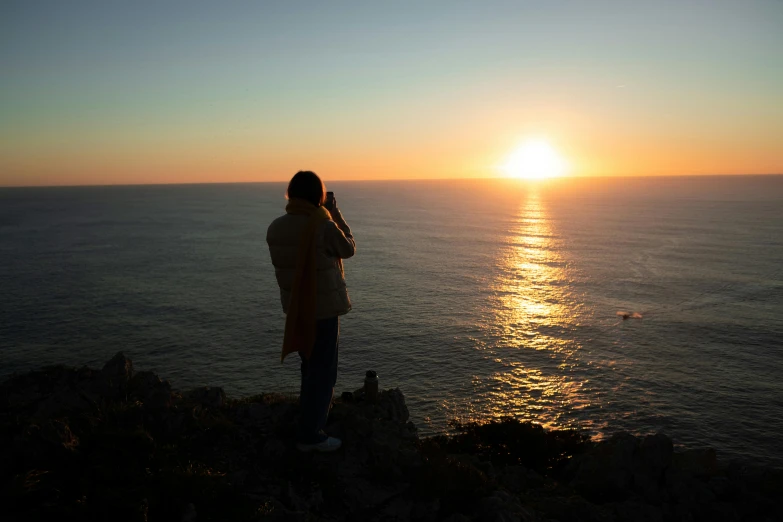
[330, 444]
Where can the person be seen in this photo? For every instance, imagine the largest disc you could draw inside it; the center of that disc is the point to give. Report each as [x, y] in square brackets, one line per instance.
[307, 245]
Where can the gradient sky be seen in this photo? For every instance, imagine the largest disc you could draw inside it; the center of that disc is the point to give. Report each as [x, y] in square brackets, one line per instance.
[108, 92]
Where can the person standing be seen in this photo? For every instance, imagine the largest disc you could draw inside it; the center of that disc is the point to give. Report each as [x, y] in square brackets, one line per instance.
[307, 245]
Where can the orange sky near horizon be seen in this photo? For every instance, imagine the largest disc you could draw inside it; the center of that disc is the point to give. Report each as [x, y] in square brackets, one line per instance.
[382, 93]
[440, 156]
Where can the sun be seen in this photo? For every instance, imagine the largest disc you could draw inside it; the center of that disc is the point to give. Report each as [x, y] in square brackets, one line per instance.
[535, 159]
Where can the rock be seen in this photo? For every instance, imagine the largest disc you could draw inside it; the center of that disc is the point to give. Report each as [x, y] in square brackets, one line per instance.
[189, 515]
[303, 501]
[635, 511]
[237, 478]
[425, 511]
[700, 462]
[572, 507]
[213, 398]
[59, 434]
[456, 517]
[143, 384]
[45, 445]
[18, 398]
[514, 478]
[392, 404]
[64, 402]
[154, 393]
[362, 495]
[655, 454]
[503, 507]
[398, 509]
[256, 414]
[410, 431]
[116, 374]
[274, 450]
[722, 487]
[383, 472]
[688, 491]
[534, 479]
[485, 467]
[605, 472]
[647, 486]
[161, 399]
[652, 459]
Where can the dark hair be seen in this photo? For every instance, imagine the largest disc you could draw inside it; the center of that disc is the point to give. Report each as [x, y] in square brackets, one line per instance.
[308, 186]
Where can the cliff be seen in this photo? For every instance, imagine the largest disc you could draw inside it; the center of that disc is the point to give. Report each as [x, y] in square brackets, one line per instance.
[114, 444]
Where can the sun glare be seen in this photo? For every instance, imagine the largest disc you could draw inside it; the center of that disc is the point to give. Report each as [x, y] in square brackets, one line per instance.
[535, 159]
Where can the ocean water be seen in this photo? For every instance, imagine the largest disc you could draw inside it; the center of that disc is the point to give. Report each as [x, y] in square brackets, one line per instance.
[476, 298]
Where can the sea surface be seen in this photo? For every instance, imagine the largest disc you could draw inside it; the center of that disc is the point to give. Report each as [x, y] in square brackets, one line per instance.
[477, 298]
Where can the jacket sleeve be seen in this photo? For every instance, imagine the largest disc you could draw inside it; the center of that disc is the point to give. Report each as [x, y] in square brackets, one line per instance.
[338, 240]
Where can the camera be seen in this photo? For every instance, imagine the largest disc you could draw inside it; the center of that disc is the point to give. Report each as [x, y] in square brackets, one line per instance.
[329, 203]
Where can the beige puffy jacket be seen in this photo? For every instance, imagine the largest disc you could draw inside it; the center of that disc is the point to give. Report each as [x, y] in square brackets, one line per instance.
[333, 242]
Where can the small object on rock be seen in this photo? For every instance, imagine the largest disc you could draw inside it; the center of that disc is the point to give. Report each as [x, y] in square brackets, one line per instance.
[371, 386]
[347, 396]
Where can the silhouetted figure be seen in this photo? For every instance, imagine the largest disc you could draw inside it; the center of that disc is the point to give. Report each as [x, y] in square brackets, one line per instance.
[307, 246]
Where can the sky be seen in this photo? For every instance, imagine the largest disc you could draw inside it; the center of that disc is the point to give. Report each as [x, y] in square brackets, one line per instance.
[111, 92]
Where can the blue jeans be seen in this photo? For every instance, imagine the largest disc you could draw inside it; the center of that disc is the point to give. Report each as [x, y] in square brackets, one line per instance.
[319, 376]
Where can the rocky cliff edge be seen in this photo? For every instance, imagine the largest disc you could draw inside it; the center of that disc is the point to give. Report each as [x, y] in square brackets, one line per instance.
[114, 444]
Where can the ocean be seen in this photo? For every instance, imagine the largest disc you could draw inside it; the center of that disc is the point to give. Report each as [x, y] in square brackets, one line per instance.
[477, 298]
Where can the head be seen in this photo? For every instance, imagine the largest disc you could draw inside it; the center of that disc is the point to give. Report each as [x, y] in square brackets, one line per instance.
[308, 186]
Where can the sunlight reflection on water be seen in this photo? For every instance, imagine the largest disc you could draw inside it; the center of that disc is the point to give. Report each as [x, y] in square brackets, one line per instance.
[530, 311]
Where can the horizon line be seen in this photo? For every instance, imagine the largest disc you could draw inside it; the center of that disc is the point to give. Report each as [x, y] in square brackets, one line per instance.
[505, 178]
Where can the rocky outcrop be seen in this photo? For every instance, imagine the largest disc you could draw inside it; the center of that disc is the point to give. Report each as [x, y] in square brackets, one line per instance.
[115, 444]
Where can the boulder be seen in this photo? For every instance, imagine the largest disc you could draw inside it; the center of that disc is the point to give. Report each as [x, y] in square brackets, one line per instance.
[116, 374]
[722, 487]
[143, 385]
[500, 506]
[392, 404]
[652, 459]
[635, 511]
[209, 397]
[24, 396]
[655, 454]
[274, 450]
[399, 509]
[700, 462]
[154, 393]
[64, 402]
[425, 511]
[514, 478]
[605, 472]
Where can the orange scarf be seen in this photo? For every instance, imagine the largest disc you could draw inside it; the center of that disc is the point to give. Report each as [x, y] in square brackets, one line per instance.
[300, 320]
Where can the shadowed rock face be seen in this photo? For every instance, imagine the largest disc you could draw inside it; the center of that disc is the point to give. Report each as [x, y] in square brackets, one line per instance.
[116, 444]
